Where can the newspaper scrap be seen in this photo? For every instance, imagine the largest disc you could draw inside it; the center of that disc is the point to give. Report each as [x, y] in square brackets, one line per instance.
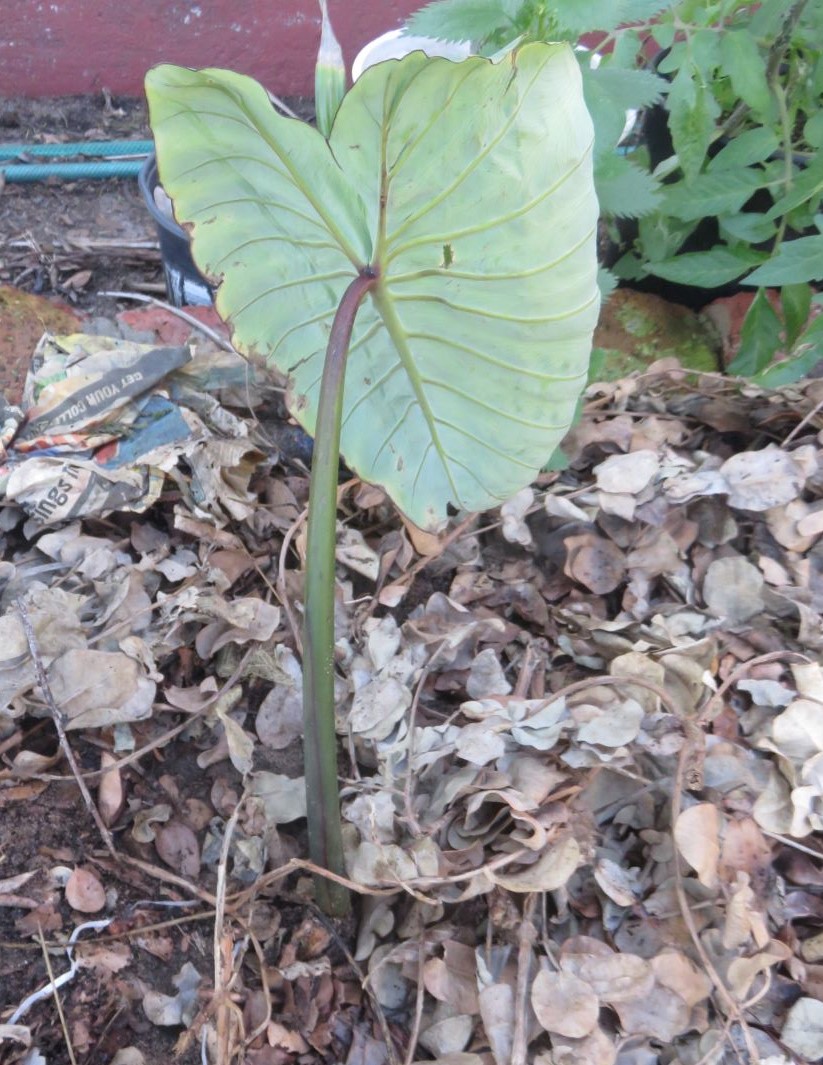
[104, 422]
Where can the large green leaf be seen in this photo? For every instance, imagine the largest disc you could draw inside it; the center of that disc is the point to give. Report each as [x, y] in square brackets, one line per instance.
[468, 188]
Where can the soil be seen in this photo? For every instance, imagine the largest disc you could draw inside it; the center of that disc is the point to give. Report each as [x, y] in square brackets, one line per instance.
[69, 242]
[52, 232]
[77, 239]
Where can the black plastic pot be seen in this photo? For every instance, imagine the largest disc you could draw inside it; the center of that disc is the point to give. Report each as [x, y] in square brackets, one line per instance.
[184, 282]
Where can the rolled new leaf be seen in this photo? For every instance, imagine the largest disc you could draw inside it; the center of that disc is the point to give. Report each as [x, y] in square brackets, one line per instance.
[329, 75]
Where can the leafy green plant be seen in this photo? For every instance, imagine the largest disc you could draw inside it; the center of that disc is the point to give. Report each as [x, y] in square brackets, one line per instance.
[742, 128]
[425, 277]
[767, 330]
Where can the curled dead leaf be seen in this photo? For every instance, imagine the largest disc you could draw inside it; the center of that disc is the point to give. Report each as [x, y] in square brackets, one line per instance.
[110, 793]
[550, 872]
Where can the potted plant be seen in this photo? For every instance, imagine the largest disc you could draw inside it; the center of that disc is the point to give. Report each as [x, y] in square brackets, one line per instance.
[424, 272]
[185, 285]
[723, 187]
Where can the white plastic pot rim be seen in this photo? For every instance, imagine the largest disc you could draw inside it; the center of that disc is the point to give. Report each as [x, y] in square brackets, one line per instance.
[395, 44]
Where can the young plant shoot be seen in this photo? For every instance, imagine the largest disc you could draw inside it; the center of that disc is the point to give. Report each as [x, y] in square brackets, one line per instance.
[425, 276]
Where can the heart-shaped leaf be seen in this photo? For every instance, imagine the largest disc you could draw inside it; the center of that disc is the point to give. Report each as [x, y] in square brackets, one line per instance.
[467, 187]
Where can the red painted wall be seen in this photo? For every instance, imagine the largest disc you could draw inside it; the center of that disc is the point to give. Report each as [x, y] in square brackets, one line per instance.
[62, 47]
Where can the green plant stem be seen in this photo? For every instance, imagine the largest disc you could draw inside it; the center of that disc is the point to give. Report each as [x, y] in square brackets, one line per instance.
[320, 741]
[775, 58]
[786, 128]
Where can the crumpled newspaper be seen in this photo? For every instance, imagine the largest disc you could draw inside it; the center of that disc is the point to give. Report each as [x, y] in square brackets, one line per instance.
[103, 421]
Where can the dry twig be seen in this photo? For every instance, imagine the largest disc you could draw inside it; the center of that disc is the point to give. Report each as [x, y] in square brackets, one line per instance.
[527, 937]
[184, 316]
[57, 1002]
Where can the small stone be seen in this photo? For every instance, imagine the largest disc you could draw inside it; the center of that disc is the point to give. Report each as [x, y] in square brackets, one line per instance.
[637, 328]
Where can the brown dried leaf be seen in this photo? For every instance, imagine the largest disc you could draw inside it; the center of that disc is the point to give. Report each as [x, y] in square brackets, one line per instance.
[110, 793]
[84, 892]
[177, 846]
[803, 1031]
[595, 1049]
[697, 835]
[453, 978]
[674, 970]
[594, 562]
[240, 744]
[98, 689]
[760, 480]
[12, 884]
[170, 1010]
[449, 1035]
[659, 1013]
[616, 882]
[629, 473]
[279, 720]
[452, 1059]
[513, 514]
[743, 919]
[742, 971]
[612, 977]
[565, 1004]
[496, 1003]
[733, 589]
[798, 731]
[550, 872]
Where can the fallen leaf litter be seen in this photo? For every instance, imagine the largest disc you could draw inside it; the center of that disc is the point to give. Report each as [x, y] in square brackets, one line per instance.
[581, 740]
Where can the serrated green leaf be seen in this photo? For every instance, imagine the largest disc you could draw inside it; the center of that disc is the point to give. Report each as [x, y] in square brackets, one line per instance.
[744, 63]
[760, 338]
[663, 34]
[582, 16]
[711, 194]
[767, 19]
[459, 20]
[606, 282]
[585, 16]
[661, 235]
[796, 301]
[751, 146]
[642, 10]
[749, 227]
[806, 354]
[796, 261]
[623, 189]
[629, 88]
[704, 49]
[629, 268]
[807, 187]
[608, 116]
[705, 269]
[813, 130]
[468, 188]
[692, 115]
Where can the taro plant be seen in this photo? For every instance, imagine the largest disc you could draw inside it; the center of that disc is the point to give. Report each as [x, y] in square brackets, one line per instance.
[425, 275]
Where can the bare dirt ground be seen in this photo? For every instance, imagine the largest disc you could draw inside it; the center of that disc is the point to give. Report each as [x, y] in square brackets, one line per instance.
[52, 233]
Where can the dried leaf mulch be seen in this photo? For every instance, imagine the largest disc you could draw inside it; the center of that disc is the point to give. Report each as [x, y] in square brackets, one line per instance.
[581, 760]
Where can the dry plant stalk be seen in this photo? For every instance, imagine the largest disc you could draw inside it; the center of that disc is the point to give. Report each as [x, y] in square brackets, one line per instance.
[59, 719]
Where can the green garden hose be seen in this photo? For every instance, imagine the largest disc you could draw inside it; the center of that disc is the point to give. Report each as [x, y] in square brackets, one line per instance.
[130, 157]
